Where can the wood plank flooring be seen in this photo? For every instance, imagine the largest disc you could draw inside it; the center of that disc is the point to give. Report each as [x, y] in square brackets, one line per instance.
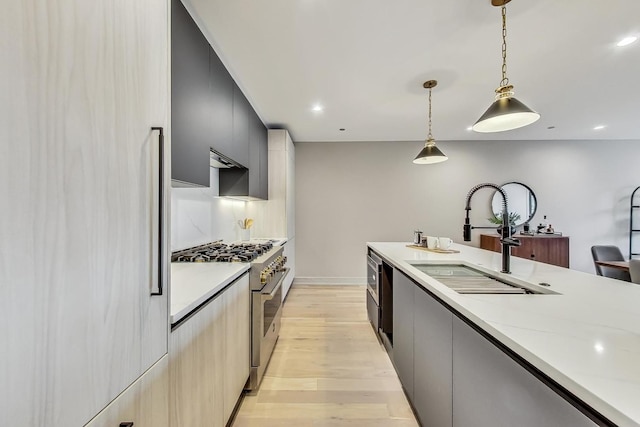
[328, 368]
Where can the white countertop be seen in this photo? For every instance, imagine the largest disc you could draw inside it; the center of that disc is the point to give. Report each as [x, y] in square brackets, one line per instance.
[277, 241]
[587, 338]
[192, 283]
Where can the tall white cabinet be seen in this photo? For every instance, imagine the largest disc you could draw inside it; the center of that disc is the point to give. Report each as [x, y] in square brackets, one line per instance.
[276, 217]
[82, 84]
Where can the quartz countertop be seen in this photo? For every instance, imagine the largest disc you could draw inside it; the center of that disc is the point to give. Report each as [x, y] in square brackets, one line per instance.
[586, 337]
[192, 283]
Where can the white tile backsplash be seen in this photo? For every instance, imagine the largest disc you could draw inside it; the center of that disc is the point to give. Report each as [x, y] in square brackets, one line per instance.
[199, 215]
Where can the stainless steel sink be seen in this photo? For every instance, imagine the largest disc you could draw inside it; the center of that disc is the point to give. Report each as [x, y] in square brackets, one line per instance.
[471, 280]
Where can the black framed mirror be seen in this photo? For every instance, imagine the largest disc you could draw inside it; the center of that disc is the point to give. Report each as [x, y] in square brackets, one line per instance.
[521, 202]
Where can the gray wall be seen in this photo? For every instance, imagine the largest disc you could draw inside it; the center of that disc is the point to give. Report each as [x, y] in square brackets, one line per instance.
[351, 193]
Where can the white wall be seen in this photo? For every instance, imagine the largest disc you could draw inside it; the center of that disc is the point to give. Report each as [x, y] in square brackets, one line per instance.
[351, 193]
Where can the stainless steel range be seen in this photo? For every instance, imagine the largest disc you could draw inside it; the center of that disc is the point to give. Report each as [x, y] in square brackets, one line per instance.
[268, 271]
[266, 278]
[222, 252]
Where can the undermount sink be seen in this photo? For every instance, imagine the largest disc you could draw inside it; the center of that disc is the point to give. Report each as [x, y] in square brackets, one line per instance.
[472, 280]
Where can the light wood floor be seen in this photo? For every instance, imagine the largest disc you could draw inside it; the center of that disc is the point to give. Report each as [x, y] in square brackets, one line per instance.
[328, 369]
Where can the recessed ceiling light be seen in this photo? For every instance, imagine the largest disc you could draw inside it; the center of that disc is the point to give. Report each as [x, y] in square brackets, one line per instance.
[470, 128]
[626, 41]
[317, 108]
[599, 127]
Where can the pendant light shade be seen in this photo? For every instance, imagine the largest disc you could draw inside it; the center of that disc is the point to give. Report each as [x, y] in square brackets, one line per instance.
[430, 153]
[506, 112]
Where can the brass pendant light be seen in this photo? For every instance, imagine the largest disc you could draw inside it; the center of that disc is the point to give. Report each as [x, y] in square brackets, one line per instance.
[506, 112]
[430, 153]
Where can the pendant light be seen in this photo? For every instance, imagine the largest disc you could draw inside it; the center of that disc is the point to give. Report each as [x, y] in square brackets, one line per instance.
[430, 153]
[506, 112]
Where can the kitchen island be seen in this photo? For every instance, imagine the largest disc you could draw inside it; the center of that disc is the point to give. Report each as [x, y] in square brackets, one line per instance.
[581, 345]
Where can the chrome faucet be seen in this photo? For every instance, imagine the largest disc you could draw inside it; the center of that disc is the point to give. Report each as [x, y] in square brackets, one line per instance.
[505, 230]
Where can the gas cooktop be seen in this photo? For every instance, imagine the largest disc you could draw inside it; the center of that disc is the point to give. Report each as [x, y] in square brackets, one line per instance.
[222, 252]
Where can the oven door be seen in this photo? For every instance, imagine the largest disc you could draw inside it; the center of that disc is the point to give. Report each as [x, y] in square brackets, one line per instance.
[265, 327]
[374, 269]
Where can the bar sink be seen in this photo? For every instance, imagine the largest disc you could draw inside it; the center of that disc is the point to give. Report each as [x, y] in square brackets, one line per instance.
[472, 280]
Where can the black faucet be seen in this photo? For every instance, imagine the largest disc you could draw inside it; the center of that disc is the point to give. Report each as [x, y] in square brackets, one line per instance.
[505, 230]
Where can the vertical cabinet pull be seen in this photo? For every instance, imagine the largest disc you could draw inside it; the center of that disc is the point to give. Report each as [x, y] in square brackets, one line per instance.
[160, 231]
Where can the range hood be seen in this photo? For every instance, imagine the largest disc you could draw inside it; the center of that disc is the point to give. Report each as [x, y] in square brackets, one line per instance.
[220, 161]
[233, 178]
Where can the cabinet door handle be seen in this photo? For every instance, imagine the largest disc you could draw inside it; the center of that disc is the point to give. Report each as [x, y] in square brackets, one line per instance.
[128, 424]
[159, 244]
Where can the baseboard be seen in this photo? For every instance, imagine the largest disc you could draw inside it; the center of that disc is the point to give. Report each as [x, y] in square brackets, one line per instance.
[330, 280]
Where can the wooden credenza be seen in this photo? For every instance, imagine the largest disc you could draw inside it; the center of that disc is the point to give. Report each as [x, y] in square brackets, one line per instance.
[550, 249]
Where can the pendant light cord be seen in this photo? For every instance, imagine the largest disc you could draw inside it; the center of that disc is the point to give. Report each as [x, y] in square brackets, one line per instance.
[505, 81]
[429, 137]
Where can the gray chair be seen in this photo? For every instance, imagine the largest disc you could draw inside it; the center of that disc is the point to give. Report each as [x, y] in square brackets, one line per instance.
[609, 253]
[634, 270]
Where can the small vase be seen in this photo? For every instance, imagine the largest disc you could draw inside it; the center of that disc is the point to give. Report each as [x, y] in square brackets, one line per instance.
[245, 234]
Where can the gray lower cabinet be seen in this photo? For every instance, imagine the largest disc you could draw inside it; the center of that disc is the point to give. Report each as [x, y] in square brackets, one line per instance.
[454, 376]
[490, 389]
[432, 385]
[403, 338]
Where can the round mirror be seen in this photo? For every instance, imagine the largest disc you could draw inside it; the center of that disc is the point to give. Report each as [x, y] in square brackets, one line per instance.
[521, 203]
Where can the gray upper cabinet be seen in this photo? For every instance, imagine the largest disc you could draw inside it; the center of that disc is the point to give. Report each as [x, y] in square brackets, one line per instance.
[221, 108]
[258, 157]
[239, 150]
[191, 111]
[251, 183]
[209, 111]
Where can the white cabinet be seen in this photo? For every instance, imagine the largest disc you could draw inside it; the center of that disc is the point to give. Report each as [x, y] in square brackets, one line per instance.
[237, 342]
[82, 85]
[145, 403]
[210, 363]
[276, 217]
[290, 253]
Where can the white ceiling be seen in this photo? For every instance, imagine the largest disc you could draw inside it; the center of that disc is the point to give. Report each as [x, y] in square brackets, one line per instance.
[365, 61]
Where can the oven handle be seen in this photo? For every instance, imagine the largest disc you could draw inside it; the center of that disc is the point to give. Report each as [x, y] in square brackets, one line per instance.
[269, 295]
[373, 264]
